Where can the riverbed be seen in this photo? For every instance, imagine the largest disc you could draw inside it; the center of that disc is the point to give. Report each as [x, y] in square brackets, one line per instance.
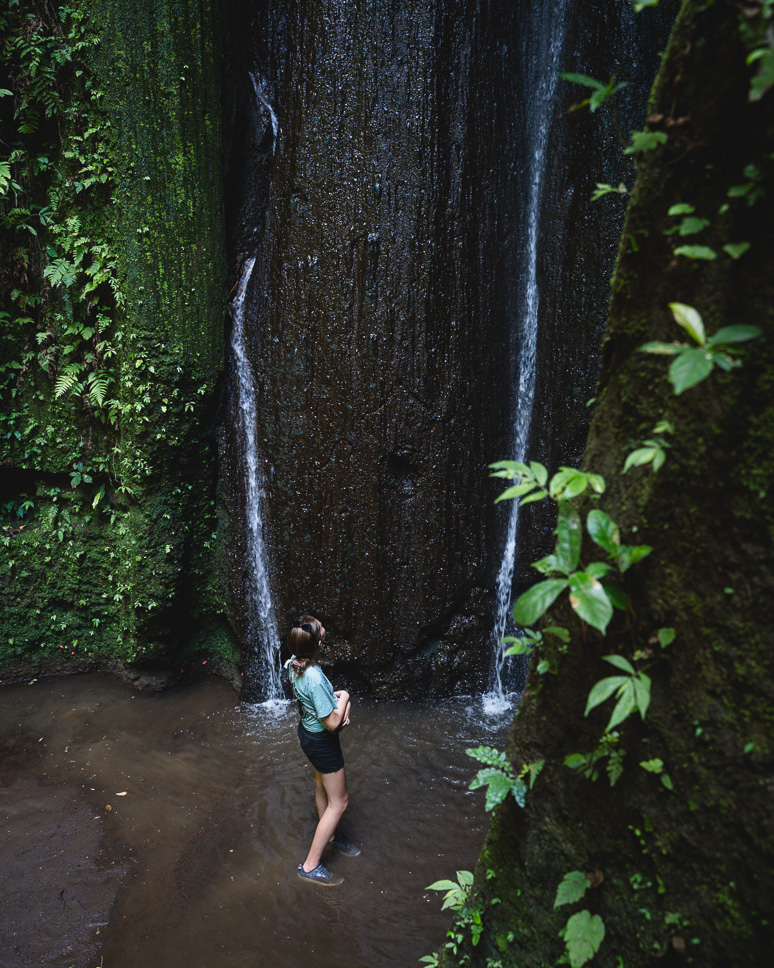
[167, 828]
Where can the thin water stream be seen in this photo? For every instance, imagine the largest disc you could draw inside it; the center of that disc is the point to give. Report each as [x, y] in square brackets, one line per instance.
[211, 812]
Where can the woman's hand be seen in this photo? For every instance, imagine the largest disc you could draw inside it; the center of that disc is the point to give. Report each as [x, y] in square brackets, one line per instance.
[340, 716]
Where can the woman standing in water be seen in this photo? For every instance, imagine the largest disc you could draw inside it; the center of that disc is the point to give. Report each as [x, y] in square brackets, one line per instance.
[323, 714]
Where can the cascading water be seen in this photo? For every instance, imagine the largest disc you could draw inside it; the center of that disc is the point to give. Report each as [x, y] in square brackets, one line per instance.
[263, 661]
[546, 50]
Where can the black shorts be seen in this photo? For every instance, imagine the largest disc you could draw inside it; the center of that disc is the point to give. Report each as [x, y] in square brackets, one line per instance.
[323, 750]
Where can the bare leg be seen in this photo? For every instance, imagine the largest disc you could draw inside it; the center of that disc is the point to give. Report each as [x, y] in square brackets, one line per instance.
[320, 796]
[335, 789]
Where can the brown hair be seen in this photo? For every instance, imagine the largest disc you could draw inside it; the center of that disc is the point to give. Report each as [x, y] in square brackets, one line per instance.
[304, 642]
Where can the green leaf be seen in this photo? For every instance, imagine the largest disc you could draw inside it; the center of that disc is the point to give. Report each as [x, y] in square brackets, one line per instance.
[534, 602]
[465, 878]
[516, 490]
[690, 320]
[692, 225]
[645, 141]
[442, 886]
[620, 663]
[628, 555]
[520, 647]
[603, 690]
[666, 637]
[640, 457]
[653, 766]
[598, 569]
[572, 888]
[585, 80]
[667, 781]
[736, 249]
[588, 599]
[558, 631]
[682, 208]
[539, 472]
[583, 935]
[641, 684]
[603, 531]
[537, 496]
[568, 540]
[734, 334]
[617, 595]
[661, 349]
[696, 252]
[689, 368]
[625, 706]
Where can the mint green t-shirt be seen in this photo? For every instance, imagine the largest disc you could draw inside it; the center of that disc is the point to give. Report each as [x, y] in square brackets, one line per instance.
[315, 697]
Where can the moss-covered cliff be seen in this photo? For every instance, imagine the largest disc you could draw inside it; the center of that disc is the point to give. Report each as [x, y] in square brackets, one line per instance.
[113, 295]
[680, 871]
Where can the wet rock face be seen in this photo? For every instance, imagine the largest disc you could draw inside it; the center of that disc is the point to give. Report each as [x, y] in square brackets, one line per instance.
[387, 218]
[382, 222]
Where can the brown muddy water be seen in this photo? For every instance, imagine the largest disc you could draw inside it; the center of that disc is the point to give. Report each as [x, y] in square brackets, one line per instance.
[166, 829]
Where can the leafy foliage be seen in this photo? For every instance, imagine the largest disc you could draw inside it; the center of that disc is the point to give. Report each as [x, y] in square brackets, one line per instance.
[572, 888]
[583, 935]
[692, 364]
[632, 691]
[600, 92]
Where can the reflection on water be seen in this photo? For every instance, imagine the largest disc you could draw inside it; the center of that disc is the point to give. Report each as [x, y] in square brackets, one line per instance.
[218, 812]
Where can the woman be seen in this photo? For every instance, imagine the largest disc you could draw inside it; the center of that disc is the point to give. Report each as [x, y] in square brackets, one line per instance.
[323, 713]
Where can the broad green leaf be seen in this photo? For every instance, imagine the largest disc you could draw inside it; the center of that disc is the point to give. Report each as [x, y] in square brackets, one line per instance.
[596, 483]
[736, 249]
[598, 569]
[640, 457]
[583, 935]
[645, 141]
[641, 684]
[534, 602]
[689, 368]
[465, 878]
[658, 460]
[653, 766]
[666, 637]
[568, 538]
[498, 785]
[625, 706]
[572, 888]
[548, 565]
[539, 472]
[519, 647]
[507, 468]
[543, 666]
[620, 663]
[515, 490]
[661, 349]
[442, 886]
[603, 690]
[696, 252]
[682, 208]
[575, 761]
[734, 334]
[537, 496]
[692, 225]
[667, 781]
[628, 555]
[558, 631]
[617, 595]
[588, 599]
[583, 79]
[603, 531]
[690, 320]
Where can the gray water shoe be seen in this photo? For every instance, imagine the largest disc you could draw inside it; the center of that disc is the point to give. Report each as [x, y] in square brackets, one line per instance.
[320, 875]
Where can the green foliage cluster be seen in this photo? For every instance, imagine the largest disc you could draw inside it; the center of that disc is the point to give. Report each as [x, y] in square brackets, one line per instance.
[595, 588]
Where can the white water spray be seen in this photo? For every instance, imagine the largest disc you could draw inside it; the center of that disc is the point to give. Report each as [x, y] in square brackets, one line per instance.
[261, 94]
[265, 661]
[546, 54]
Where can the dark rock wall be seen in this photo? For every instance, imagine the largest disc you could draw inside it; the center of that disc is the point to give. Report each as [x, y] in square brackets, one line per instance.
[389, 231]
[380, 331]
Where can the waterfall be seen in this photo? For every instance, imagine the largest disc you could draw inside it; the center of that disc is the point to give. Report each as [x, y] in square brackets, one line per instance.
[545, 53]
[263, 658]
[261, 95]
